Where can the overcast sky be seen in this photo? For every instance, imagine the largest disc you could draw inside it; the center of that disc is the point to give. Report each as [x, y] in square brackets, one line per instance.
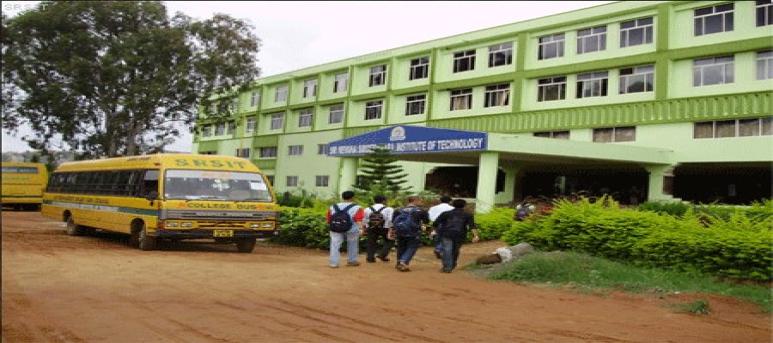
[302, 34]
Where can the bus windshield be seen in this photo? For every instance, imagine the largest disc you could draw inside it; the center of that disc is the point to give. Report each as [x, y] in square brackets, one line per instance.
[215, 185]
[20, 170]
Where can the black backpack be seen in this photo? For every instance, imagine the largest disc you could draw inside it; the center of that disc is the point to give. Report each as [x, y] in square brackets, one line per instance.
[406, 224]
[340, 220]
[376, 219]
[455, 224]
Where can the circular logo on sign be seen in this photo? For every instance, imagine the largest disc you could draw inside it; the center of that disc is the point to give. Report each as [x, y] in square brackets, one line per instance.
[398, 134]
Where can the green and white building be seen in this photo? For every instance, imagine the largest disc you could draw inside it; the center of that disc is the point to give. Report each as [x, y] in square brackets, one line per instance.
[644, 100]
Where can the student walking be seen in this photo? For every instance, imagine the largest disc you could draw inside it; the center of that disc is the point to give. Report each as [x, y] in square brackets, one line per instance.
[452, 229]
[345, 223]
[379, 220]
[435, 212]
[406, 228]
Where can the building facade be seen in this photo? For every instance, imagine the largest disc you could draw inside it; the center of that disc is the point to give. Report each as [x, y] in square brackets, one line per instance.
[692, 78]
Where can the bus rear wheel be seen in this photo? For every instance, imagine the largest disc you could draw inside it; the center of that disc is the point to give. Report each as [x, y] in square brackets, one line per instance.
[74, 229]
[245, 245]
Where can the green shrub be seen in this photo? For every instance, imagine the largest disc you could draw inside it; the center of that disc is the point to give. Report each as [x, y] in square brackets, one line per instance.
[493, 224]
[302, 227]
[674, 208]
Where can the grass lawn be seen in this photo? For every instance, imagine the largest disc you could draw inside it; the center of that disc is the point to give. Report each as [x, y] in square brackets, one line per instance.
[594, 274]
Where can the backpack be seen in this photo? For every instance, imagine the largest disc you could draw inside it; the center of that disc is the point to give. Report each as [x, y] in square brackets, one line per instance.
[455, 225]
[376, 219]
[405, 223]
[340, 220]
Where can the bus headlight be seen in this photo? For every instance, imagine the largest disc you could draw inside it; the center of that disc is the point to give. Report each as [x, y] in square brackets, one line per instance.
[186, 225]
[171, 224]
[267, 225]
[254, 226]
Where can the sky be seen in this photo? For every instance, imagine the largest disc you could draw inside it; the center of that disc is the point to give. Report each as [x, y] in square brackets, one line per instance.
[301, 34]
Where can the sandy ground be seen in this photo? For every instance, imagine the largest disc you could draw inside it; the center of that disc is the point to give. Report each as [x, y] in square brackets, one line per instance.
[57, 288]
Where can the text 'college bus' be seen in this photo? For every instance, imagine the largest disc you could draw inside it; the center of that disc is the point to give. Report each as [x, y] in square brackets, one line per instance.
[23, 184]
[165, 196]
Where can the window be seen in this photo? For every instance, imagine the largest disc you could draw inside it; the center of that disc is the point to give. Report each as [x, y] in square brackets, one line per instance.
[231, 127]
[592, 84]
[614, 134]
[220, 129]
[500, 54]
[712, 71]
[373, 109]
[591, 39]
[206, 130]
[270, 179]
[295, 150]
[281, 94]
[267, 152]
[764, 12]
[292, 181]
[551, 88]
[551, 46]
[341, 82]
[309, 88]
[254, 99]
[249, 126]
[636, 32]
[713, 19]
[321, 149]
[244, 152]
[414, 104]
[553, 134]
[419, 68]
[637, 79]
[234, 105]
[277, 121]
[377, 75]
[464, 61]
[461, 99]
[336, 114]
[497, 95]
[322, 180]
[734, 128]
[304, 117]
[149, 183]
[765, 65]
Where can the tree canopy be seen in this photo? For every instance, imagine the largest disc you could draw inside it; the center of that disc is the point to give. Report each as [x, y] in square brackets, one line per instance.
[119, 78]
[380, 174]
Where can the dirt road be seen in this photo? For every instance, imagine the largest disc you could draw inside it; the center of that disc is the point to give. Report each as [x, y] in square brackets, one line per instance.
[57, 288]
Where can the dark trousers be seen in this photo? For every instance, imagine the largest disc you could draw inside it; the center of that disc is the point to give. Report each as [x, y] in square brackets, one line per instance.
[406, 248]
[373, 237]
[451, 247]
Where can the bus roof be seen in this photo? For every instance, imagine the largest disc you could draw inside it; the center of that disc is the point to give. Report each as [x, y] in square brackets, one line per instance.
[23, 164]
[163, 161]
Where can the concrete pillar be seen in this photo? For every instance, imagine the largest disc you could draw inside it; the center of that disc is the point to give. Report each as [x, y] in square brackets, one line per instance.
[659, 174]
[485, 196]
[508, 195]
[348, 174]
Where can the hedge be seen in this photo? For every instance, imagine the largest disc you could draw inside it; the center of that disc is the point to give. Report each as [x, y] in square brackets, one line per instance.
[737, 247]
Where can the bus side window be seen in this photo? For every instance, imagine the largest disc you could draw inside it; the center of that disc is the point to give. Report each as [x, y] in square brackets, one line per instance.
[121, 183]
[149, 183]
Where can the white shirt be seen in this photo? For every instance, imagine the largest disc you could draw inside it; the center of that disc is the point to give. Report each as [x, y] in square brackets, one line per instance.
[437, 210]
[386, 212]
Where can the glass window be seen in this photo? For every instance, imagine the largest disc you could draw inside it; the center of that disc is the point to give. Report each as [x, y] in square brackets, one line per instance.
[551, 88]
[767, 126]
[614, 134]
[377, 75]
[592, 84]
[234, 105]
[277, 121]
[703, 130]
[220, 185]
[321, 149]
[712, 71]
[497, 95]
[295, 150]
[305, 117]
[206, 130]
[591, 39]
[292, 181]
[500, 54]
[553, 134]
[464, 61]
[322, 180]
[149, 183]
[636, 32]
[713, 19]
[254, 99]
[551, 46]
[231, 127]
[243, 152]
[336, 114]
[341, 82]
[765, 65]
[637, 79]
[220, 129]
[625, 134]
[419, 68]
[309, 88]
[461, 99]
[249, 126]
[724, 128]
[749, 127]
[267, 152]
[764, 12]
[281, 94]
[414, 104]
[373, 109]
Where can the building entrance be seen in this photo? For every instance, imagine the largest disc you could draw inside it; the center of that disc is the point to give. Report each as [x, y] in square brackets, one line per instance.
[458, 182]
[727, 183]
[626, 185]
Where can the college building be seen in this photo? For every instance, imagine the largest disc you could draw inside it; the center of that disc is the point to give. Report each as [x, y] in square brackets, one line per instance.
[642, 100]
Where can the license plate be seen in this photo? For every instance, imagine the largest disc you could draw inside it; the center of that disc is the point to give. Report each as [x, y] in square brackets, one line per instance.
[222, 233]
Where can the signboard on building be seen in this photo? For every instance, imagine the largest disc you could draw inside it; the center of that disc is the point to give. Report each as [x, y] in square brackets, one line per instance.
[406, 139]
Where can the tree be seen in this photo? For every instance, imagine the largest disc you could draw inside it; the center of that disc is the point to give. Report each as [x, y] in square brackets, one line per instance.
[381, 174]
[119, 78]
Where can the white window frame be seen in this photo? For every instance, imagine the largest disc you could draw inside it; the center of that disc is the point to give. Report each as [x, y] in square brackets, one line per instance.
[505, 49]
[764, 62]
[542, 88]
[416, 63]
[336, 113]
[557, 39]
[594, 40]
[322, 180]
[309, 88]
[646, 28]
[464, 97]
[723, 62]
[374, 109]
[295, 150]
[715, 11]
[322, 149]
[263, 152]
[254, 98]
[595, 83]
[277, 121]
[737, 129]
[243, 152]
[643, 73]
[377, 77]
[459, 56]
[340, 82]
[419, 100]
[250, 125]
[280, 94]
[292, 181]
[497, 95]
[767, 13]
[305, 117]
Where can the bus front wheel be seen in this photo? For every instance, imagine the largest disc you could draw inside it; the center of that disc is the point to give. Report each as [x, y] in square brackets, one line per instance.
[72, 228]
[146, 242]
[245, 245]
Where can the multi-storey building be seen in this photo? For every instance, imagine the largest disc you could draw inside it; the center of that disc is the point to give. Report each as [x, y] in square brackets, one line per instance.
[691, 82]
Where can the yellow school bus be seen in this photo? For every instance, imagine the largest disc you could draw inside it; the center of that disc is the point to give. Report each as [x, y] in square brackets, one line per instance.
[23, 184]
[165, 196]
